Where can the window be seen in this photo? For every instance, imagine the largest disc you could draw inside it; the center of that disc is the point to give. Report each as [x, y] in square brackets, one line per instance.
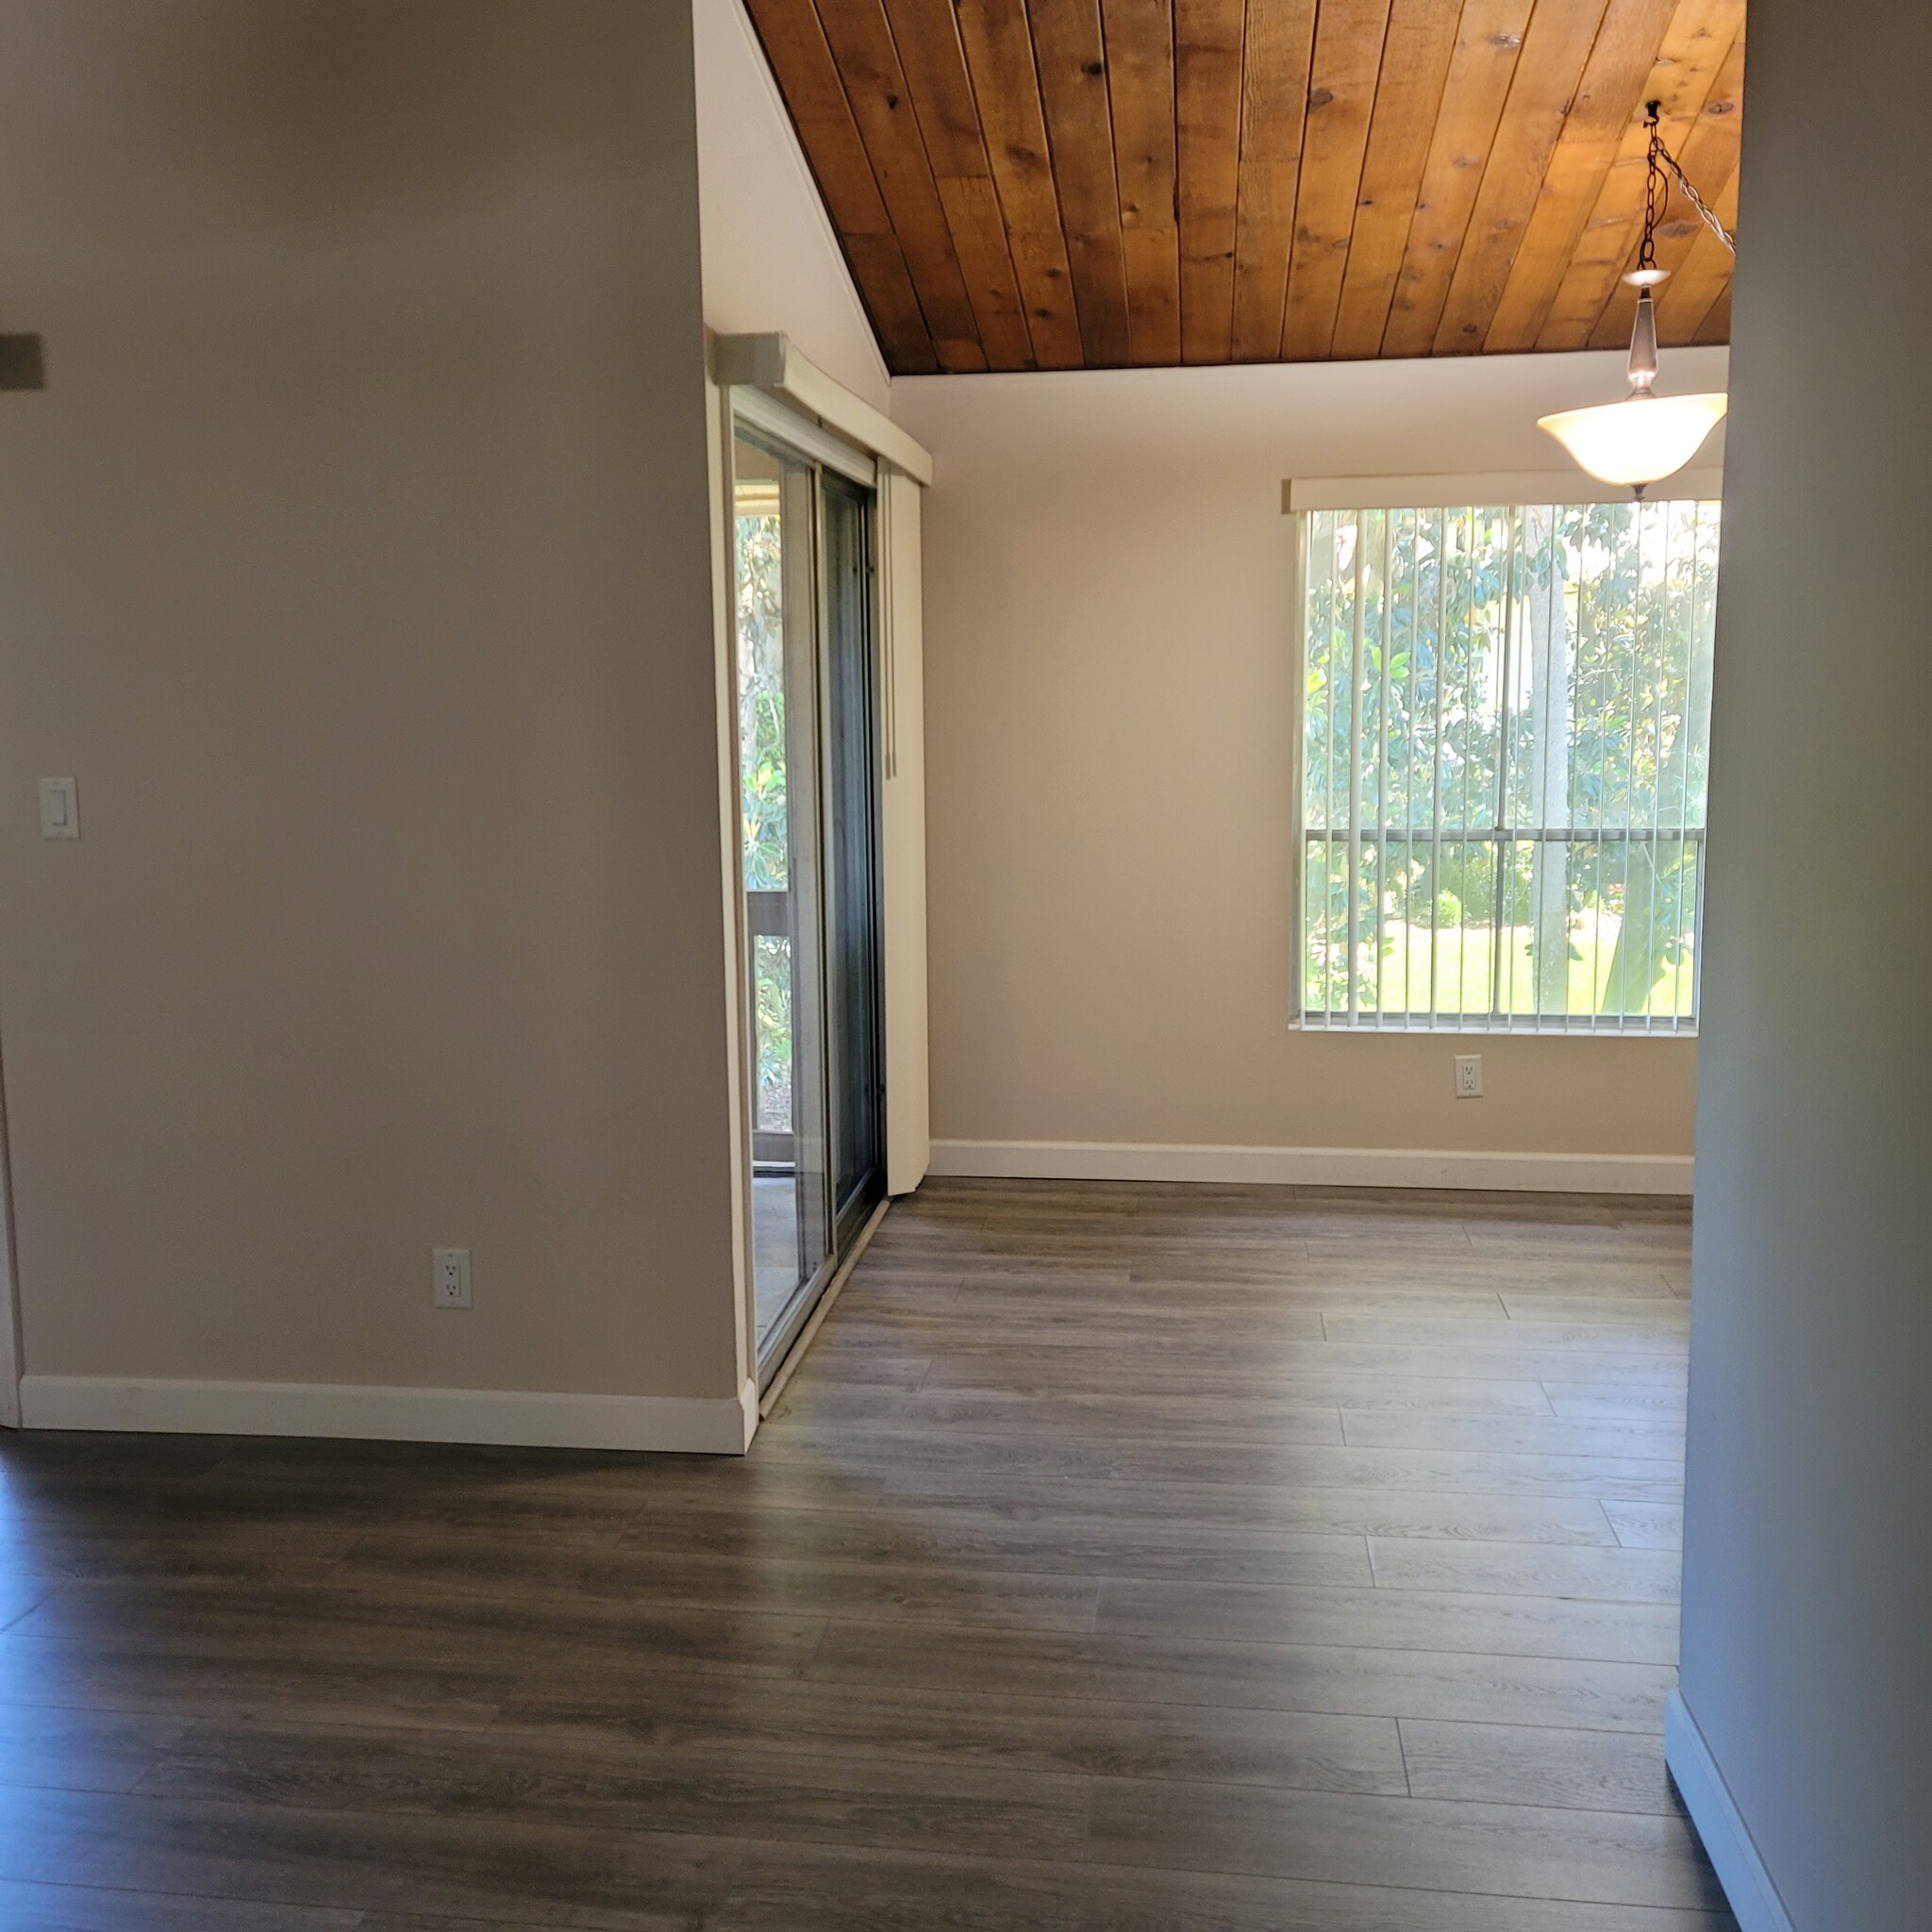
[1505, 736]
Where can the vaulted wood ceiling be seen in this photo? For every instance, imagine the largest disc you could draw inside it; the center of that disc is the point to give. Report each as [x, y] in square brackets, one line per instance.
[1050, 184]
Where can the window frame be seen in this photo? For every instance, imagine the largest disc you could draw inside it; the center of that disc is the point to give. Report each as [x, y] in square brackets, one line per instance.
[1514, 491]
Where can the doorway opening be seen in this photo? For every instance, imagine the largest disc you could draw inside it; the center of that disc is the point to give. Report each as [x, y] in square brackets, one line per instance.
[808, 775]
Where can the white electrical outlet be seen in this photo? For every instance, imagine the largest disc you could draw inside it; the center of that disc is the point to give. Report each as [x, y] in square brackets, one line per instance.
[1468, 1077]
[450, 1271]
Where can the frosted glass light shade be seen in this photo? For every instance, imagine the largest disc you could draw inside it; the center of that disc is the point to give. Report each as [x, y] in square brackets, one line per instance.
[1640, 439]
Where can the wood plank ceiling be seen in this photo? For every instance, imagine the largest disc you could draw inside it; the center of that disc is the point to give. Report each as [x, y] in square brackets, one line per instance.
[1053, 184]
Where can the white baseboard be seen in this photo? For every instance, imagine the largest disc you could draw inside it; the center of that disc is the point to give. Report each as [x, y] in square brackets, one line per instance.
[1733, 1854]
[699, 1425]
[1338, 1167]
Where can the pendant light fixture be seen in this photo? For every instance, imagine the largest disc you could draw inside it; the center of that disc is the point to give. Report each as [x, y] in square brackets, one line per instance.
[1647, 436]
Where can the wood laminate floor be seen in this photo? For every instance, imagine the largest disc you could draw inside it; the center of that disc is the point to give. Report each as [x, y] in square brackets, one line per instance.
[1123, 1559]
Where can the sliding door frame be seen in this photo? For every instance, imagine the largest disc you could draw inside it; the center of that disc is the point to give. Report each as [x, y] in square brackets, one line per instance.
[850, 1215]
[766, 421]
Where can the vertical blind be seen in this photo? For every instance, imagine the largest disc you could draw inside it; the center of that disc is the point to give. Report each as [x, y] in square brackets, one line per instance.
[1505, 740]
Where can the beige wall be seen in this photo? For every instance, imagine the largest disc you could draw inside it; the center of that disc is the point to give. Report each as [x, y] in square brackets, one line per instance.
[1110, 706]
[355, 562]
[1808, 1560]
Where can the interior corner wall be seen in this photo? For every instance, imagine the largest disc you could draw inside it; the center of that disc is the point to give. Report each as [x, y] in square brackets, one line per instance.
[1808, 1569]
[1111, 729]
[771, 259]
[356, 563]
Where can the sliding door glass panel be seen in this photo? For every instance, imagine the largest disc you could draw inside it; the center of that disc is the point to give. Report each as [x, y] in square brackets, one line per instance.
[779, 730]
[809, 766]
[852, 892]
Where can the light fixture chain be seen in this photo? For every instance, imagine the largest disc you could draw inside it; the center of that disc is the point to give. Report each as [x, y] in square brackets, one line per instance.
[1659, 162]
[1655, 192]
[1706, 211]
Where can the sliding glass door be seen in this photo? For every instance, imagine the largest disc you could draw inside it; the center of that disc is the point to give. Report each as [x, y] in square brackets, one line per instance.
[807, 748]
[856, 1086]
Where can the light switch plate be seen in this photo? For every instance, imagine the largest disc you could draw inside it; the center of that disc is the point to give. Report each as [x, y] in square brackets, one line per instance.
[59, 808]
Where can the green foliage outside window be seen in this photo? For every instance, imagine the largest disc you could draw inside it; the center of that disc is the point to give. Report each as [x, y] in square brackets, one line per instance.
[764, 803]
[761, 699]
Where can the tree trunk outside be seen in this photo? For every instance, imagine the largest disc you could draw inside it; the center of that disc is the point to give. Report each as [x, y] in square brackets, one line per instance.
[1549, 773]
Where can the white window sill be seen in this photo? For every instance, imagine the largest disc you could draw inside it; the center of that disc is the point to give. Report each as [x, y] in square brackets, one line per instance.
[1523, 1027]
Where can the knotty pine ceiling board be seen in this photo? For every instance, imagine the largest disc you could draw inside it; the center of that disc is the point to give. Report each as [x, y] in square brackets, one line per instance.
[1054, 184]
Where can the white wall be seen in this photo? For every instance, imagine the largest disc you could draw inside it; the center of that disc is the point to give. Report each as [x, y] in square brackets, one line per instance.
[1111, 750]
[356, 563]
[1807, 1571]
[771, 260]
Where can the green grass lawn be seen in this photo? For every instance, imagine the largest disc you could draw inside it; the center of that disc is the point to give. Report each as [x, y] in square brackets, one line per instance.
[1461, 961]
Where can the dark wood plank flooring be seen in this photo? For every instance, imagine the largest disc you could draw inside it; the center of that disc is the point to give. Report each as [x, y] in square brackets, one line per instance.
[1123, 1559]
